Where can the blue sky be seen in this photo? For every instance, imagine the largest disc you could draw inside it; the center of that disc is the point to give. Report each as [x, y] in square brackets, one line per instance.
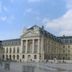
[55, 15]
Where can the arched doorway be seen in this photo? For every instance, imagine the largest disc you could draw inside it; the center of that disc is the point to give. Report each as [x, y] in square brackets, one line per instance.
[29, 58]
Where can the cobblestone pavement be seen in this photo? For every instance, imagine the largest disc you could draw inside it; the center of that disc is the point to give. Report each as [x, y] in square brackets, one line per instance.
[37, 67]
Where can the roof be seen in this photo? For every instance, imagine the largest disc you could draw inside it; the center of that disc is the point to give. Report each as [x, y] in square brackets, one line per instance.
[11, 42]
[66, 39]
[46, 33]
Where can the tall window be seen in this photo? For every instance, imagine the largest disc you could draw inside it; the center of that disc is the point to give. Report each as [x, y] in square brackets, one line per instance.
[3, 57]
[13, 50]
[18, 50]
[6, 50]
[35, 45]
[23, 56]
[35, 56]
[10, 50]
[17, 56]
[6, 56]
[24, 46]
[10, 57]
[14, 57]
[29, 49]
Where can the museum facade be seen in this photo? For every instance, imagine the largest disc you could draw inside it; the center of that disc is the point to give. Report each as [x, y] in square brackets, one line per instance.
[37, 44]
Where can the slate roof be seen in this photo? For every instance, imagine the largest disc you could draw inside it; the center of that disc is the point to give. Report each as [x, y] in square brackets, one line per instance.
[66, 39]
[11, 42]
[46, 33]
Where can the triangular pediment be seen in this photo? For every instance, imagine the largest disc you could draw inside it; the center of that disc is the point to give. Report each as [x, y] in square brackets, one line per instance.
[30, 33]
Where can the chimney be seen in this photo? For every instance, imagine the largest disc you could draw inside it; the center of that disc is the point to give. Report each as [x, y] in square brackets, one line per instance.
[42, 27]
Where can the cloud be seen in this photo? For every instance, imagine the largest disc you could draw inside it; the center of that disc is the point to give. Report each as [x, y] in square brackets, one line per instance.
[0, 7]
[34, 0]
[29, 10]
[3, 18]
[5, 8]
[12, 1]
[10, 19]
[69, 4]
[66, 33]
[38, 18]
[62, 25]
[7, 19]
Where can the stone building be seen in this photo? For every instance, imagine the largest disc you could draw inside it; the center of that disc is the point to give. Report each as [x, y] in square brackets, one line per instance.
[1, 50]
[67, 47]
[37, 44]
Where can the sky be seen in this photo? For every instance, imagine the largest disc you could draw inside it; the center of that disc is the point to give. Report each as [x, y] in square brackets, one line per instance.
[17, 15]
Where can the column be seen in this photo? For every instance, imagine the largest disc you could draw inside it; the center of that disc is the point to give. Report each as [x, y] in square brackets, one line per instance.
[33, 46]
[38, 46]
[26, 46]
[38, 50]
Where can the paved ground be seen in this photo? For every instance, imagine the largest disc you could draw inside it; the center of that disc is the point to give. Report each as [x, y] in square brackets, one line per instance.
[37, 67]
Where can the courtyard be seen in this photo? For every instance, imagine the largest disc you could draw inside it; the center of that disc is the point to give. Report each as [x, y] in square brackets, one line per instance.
[36, 67]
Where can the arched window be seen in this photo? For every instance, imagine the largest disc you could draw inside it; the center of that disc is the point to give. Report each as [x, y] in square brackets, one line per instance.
[17, 56]
[14, 57]
[23, 56]
[35, 56]
[6, 57]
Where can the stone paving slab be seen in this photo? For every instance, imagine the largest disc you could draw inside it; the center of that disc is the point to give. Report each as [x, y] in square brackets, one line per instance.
[39, 67]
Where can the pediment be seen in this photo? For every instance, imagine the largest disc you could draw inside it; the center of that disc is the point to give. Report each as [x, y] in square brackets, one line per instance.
[30, 34]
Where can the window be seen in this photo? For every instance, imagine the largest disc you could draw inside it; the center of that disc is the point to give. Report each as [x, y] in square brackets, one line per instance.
[69, 51]
[10, 57]
[70, 41]
[6, 50]
[10, 50]
[63, 46]
[23, 56]
[13, 50]
[6, 56]
[29, 56]
[35, 45]
[29, 50]
[18, 50]
[14, 57]
[68, 46]
[66, 41]
[3, 57]
[17, 56]
[24, 46]
[64, 51]
[35, 56]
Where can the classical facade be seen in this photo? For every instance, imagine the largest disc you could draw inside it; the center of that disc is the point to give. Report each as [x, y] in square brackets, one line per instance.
[1, 50]
[37, 44]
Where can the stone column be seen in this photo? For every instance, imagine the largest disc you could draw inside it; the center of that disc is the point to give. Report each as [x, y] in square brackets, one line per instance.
[33, 46]
[38, 46]
[26, 46]
[26, 50]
